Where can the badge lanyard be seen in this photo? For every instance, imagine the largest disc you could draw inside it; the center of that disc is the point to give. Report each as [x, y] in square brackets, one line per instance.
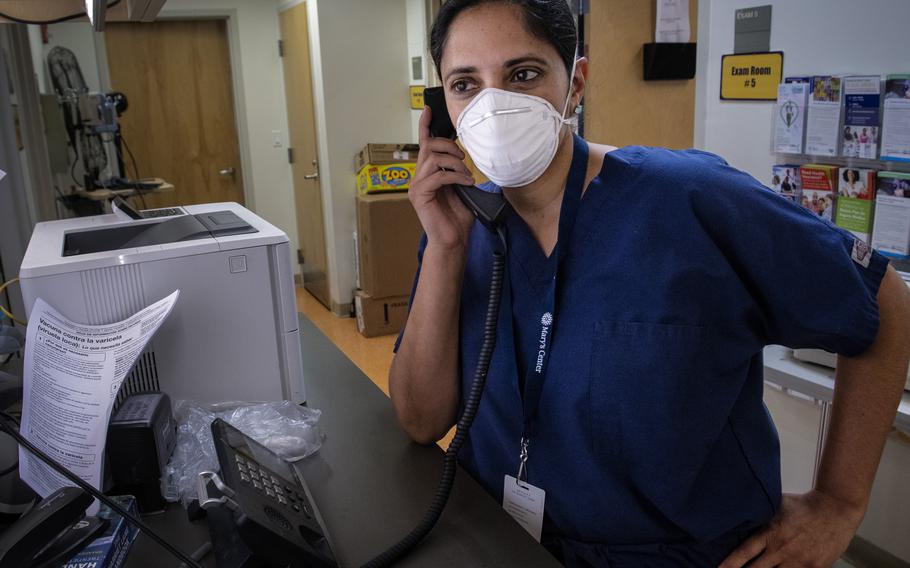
[536, 371]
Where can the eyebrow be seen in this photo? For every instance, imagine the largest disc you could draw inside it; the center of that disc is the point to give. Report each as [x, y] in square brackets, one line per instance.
[507, 64]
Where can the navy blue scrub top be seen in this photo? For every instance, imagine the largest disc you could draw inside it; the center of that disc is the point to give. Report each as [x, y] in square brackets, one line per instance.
[651, 428]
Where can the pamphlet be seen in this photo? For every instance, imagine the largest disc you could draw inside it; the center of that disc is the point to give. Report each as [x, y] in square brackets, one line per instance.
[672, 25]
[790, 118]
[862, 99]
[823, 120]
[72, 375]
[854, 202]
[891, 234]
[819, 183]
[896, 119]
[785, 181]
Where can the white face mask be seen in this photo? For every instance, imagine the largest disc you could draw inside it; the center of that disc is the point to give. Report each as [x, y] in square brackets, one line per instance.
[511, 137]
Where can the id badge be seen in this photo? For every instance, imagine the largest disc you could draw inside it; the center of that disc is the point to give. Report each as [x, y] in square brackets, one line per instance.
[524, 503]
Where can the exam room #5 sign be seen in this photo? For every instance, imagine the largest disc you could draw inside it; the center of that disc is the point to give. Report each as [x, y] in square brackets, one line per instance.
[751, 76]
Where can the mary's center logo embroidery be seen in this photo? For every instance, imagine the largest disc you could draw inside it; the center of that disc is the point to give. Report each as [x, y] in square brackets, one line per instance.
[546, 319]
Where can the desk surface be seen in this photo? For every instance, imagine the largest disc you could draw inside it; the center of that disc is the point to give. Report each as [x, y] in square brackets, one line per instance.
[372, 485]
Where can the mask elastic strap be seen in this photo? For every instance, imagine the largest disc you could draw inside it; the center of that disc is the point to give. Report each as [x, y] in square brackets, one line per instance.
[565, 106]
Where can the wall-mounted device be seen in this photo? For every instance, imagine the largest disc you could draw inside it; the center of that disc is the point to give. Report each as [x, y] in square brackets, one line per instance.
[233, 334]
[668, 61]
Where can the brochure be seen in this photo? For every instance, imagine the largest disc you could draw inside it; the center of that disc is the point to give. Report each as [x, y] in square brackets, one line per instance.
[819, 183]
[896, 119]
[854, 202]
[891, 233]
[790, 117]
[785, 181]
[823, 122]
[862, 99]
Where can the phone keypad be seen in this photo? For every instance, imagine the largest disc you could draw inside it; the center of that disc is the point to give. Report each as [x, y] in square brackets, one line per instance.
[270, 486]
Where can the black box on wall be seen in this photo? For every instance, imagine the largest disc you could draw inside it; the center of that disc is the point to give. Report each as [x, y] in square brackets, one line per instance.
[666, 61]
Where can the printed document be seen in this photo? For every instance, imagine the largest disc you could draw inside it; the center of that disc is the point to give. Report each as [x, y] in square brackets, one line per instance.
[72, 375]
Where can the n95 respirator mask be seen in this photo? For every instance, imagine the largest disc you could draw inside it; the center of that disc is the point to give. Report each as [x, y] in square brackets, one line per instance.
[511, 137]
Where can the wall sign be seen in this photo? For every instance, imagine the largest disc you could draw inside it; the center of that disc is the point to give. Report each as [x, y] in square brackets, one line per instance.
[752, 30]
[416, 92]
[751, 76]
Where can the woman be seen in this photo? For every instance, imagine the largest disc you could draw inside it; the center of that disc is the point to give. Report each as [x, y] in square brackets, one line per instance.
[642, 285]
[853, 186]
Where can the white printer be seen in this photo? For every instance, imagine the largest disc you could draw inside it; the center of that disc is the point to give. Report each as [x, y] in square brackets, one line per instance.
[233, 334]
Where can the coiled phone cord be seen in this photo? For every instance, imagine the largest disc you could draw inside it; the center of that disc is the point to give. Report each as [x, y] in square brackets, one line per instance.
[472, 401]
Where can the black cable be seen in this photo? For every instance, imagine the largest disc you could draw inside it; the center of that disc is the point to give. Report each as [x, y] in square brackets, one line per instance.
[139, 192]
[132, 157]
[76, 480]
[53, 21]
[444, 488]
[73, 170]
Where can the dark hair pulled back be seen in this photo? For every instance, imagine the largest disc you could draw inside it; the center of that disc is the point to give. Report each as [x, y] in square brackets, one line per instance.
[549, 20]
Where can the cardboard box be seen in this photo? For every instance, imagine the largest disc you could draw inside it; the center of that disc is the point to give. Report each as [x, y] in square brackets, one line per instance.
[380, 316]
[388, 234]
[378, 154]
[384, 178]
[111, 548]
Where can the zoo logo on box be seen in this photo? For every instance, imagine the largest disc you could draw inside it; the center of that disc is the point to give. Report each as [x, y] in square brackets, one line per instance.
[396, 176]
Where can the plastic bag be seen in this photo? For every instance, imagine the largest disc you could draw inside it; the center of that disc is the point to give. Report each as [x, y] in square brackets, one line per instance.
[286, 428]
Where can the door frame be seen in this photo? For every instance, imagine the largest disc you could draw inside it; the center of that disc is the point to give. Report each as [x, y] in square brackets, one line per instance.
[233, 39]
[332, 241]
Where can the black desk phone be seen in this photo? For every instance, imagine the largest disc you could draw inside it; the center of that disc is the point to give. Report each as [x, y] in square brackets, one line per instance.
[273, 509]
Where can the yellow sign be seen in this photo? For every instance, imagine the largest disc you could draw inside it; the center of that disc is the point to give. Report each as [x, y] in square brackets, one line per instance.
[417, 97]
[751, 76]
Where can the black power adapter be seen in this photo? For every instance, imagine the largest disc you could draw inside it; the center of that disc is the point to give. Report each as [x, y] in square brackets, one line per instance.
[140, 440]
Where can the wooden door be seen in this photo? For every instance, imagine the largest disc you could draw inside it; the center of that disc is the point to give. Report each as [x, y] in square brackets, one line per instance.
[298, 84]
[180, 122]
[621, 108]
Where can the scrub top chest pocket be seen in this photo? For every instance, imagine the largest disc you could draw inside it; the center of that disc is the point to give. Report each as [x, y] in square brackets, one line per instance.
[639, 388]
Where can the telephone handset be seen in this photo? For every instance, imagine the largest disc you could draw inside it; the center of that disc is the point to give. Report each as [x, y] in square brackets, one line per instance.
[487, 207]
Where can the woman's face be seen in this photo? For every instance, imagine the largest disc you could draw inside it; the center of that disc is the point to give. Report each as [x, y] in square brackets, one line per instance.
[851, 176]
[488, 46]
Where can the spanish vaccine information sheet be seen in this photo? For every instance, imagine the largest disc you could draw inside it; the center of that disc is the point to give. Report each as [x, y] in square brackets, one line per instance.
[71, 378]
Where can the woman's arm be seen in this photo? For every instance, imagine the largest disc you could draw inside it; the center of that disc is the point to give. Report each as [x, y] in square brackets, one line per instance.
[423, 380]
[815, 529]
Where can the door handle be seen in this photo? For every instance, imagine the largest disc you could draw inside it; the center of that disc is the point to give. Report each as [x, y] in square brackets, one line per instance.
[315, 174]
[226, 172]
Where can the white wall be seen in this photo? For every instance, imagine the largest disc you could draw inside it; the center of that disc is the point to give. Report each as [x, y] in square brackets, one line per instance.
[817, 37]
[79, 38]
[360, 76]
[253, 32]
[417, 47]
[811, 33]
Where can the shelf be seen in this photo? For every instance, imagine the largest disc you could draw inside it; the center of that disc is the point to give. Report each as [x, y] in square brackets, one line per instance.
[817, 381]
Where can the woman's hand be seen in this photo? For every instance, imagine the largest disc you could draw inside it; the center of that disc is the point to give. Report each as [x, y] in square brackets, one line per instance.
[444, 217]
[812, 529]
